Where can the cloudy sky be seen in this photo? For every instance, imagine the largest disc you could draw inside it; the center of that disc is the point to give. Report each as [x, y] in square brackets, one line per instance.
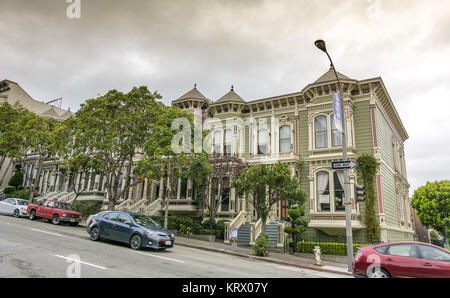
[263, 48]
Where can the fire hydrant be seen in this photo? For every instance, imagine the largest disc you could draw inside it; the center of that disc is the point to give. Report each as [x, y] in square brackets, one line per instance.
[317, 260]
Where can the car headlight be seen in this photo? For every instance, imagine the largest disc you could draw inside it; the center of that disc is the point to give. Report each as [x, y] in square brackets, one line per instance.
[172, 235]
[151, 233]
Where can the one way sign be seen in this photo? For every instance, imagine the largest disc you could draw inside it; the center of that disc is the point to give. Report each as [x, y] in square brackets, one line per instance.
[344, 164]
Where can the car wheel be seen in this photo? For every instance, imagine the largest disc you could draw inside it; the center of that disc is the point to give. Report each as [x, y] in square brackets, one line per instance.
[16, 213]
[32, 215]
[136, 242]
[56, 220]
[95, 234]
[378, 273]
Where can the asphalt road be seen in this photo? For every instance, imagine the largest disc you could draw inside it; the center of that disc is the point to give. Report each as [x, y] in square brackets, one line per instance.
[40, 249]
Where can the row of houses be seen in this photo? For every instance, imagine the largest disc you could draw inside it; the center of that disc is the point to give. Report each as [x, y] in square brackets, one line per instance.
[296, 129]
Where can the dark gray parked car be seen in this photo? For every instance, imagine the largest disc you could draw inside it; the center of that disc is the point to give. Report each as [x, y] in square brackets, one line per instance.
[137, 230]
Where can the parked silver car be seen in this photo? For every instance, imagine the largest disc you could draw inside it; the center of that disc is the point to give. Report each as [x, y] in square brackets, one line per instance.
[14, 207]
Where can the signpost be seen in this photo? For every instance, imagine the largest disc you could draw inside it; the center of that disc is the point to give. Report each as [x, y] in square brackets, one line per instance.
[234, 237]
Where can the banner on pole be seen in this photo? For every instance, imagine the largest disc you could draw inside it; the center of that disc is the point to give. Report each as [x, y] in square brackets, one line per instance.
[337, 102]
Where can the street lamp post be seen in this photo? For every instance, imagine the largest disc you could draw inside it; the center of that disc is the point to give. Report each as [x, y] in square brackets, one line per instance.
[347, 202]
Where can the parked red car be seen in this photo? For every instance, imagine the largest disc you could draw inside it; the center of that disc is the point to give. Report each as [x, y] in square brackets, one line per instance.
[56, 212]
[402, 259]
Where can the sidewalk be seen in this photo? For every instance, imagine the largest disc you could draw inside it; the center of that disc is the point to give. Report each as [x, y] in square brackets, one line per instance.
[274, 257]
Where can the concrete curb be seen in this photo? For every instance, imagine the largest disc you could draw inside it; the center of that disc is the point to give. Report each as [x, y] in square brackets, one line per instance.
[265, 259]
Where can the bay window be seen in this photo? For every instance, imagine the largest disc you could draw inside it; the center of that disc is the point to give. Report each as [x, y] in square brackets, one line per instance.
[323, 191]
[330, 188]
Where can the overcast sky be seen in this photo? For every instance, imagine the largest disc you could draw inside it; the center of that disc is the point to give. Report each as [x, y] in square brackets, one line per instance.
[263, 48]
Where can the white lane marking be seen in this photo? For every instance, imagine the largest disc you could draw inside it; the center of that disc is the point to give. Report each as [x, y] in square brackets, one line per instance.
[155, 256]
[78, 261]
[55, 234]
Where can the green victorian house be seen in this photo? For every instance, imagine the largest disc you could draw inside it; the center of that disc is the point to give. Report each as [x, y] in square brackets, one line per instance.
[298, 129]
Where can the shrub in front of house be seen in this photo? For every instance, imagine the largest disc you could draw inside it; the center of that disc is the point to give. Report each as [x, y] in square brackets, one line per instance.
[337, 249]
[262, 246]
[9, 190]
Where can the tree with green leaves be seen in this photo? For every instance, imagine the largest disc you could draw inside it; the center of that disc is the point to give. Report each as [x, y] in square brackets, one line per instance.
[432, 203]
[209, 168]
[40, 138]
[168, 150]
[265, 185]
[16, 180]
[109, 132]
[75, 164]
[13, 140]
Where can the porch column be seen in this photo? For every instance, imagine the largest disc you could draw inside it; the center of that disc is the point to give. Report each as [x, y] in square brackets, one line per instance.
[146, 185]
[179, 189]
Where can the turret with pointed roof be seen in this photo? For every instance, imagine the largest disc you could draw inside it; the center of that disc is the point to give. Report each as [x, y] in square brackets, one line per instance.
[330, 76]
[191, 99]
[231, 97]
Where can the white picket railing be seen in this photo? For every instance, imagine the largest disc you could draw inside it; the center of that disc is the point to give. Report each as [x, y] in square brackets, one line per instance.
[240, 219]
[255, 231]
[124, 205]
[153, 207]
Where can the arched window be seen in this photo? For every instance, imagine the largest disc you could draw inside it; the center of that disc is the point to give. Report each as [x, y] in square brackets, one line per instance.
[321, 133]
[323, 191]
[262, 141]
[227, 142]
[336, 135]
[217, 141]
[285, 139]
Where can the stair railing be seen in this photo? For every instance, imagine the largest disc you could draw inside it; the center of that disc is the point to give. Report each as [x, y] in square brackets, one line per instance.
[240, 219]
[282, 236]
[153, 207]
[255, 231]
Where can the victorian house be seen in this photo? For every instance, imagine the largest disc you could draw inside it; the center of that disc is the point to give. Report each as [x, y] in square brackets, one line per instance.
[297, 129]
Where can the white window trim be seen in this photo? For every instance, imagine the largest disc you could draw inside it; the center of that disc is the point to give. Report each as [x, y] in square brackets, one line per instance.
[332, 197]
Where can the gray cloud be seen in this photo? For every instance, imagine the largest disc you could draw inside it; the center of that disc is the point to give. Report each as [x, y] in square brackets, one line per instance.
[264, 48]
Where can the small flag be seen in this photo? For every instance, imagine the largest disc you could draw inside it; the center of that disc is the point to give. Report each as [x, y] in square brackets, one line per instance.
[337, 102]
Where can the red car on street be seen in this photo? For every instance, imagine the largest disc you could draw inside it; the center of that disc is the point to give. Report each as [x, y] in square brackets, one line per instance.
[56, 212]
[402, 259]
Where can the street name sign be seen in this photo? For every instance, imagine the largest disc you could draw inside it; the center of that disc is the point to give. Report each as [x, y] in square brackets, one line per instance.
[344, 164]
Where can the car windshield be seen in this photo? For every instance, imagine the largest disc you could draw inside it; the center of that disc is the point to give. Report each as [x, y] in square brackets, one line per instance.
[63, 206]
[144, 220]
[22, 203]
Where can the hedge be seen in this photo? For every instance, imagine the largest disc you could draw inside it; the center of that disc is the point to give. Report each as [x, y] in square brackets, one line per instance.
[193, 225]
[337, 249]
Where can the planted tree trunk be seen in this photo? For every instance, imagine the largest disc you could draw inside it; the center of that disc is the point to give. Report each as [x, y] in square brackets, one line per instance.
[166, 211]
